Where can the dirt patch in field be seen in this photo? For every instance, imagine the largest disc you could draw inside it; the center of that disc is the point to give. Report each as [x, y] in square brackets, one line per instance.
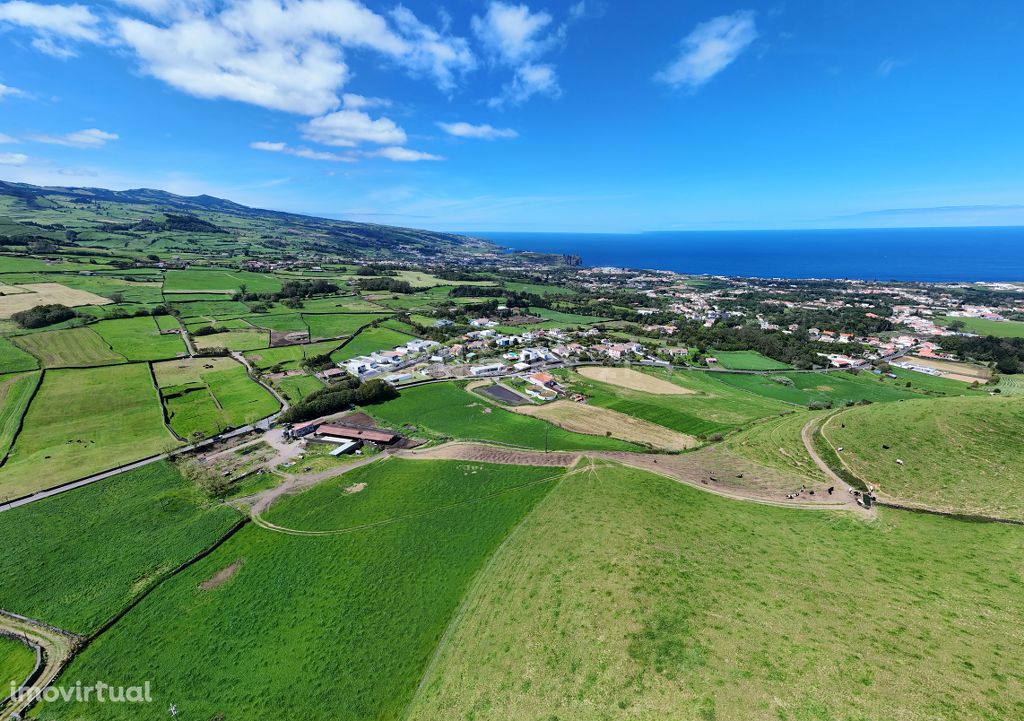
[355, 488]
[595, 421]
[360, 419]
[221, 577]
[633, 380]
[493, 454]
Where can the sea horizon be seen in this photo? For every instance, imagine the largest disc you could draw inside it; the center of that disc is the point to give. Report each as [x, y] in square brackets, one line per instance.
[925, 254]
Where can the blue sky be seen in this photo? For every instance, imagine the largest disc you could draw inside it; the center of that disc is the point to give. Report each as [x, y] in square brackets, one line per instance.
[546, 116]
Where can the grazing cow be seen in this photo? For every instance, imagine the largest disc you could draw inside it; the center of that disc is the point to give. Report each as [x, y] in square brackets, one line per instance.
[899, 462]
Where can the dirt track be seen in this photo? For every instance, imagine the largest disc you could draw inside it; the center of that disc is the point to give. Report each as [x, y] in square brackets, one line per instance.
[57, 646]
[713, 469]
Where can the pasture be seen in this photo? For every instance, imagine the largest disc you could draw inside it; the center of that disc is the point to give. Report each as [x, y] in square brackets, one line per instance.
[297, 387]
[15, 392]
[748, 360]
[205, 396]
[336, 325]
[14, 359]
[369, 341]
[224, 281]
[630, 594]
[79, 347]
[805, 388]
[966, 372]
[133, 528]
[447, 411]
[84, 421]
[597, 421]
[984, 326]
[234, 340]
[16, 662]
[46, 294]
[710, 407]
[139, 338]
[289, 357]
[563, 318]
[959, 454]
[776, 442]
[337, 627]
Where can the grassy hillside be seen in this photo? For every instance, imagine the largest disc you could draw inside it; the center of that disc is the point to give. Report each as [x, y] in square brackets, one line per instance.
[627, 596]
[16, 662]
[130, 528]
[331, 628]
[959, 454]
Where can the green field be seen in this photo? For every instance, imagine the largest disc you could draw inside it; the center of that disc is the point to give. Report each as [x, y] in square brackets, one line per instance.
[14, 359]
[15, 392]
[69, 348]
[132, 528]
[446, 410]
[562, 318]
[16, 663]
[205, 396]
[627, 596]
[85, 421]
[776, 442]
[1011, 385]
[713, 407]
[209, 309]
[369, 341]
[220, 280]
[959, 454]
[334, 325]
[139, 339]
[235, 340]
[805, 388]
[983, 326]
[747, 360]
[283, 322]
[297, 387]
[289, 356]
[336, 627]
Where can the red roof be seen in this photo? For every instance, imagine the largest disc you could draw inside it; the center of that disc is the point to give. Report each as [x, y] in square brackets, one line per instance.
[363, 434]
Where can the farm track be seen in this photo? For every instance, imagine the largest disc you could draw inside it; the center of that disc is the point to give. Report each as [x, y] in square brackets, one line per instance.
[57, 646]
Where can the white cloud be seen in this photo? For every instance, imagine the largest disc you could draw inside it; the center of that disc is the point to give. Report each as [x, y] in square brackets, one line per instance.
[709, 49]
[529, 80]
[284, 56]
[513, 32]
[518, 37]
[351, 101]
[13, 158]
[886, 67]
[432, 53]
[402, 155]
[486, 132]
[88, 138]
[52, 24]
[306, 153]
[348, 128]
[5, 139]
[6, 90]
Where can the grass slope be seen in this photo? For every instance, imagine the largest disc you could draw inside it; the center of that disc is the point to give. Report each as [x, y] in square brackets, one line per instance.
[332, 628]
[16, 662]
[14, 359]
[627, 596]
[130, 528]
[139, 339]
[959, 454]
[748, 360]
[15, 393]
[82, 422]
[370, 340]
[776, 442]
[449, 411]
[713, 407]
[69, 348]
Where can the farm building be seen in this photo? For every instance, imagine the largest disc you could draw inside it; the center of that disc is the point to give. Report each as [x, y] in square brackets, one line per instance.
[301, 430]
[485, 369]
[358, 434]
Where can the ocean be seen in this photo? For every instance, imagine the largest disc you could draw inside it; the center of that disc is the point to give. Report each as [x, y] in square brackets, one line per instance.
[910, 254]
